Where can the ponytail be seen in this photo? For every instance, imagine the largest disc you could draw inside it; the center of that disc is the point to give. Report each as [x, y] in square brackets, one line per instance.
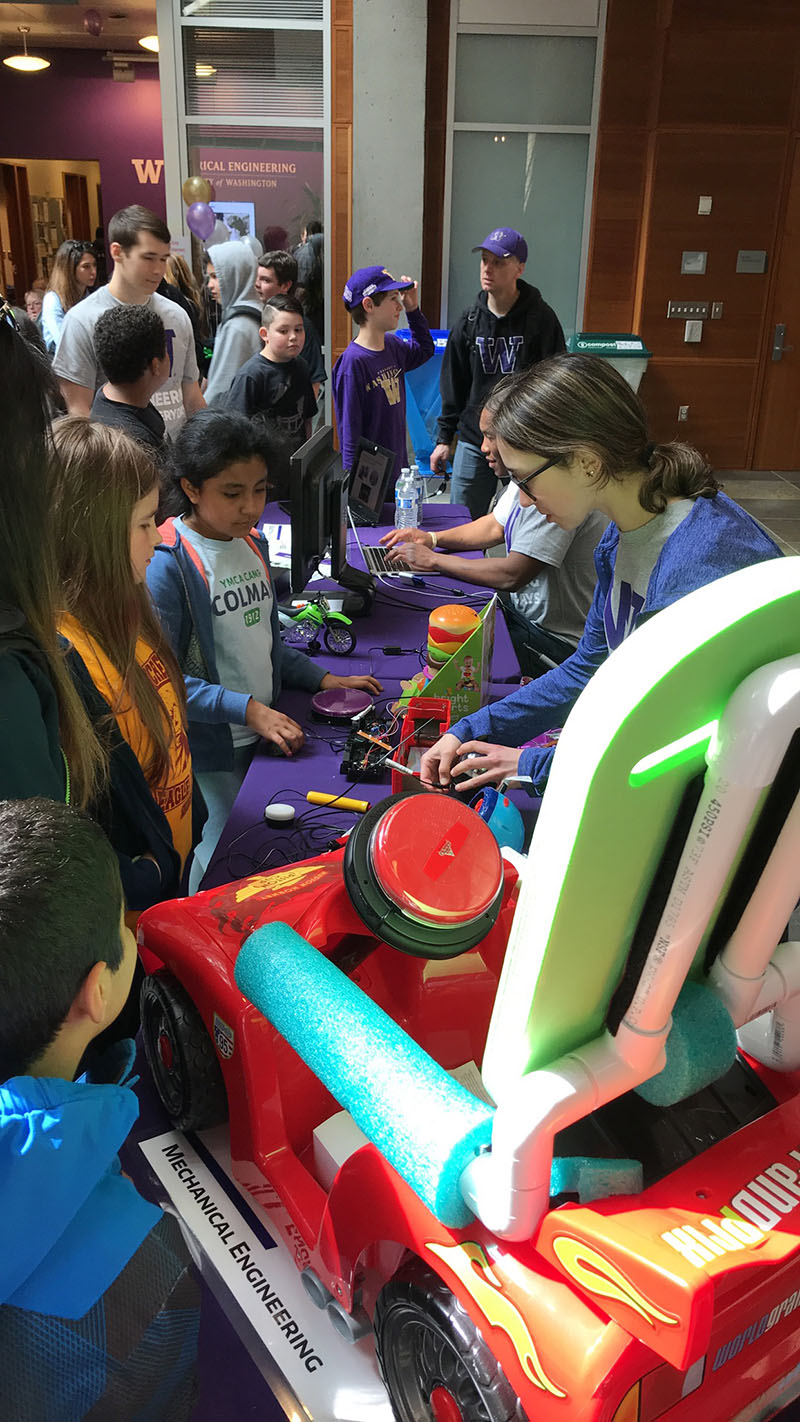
[677, 471]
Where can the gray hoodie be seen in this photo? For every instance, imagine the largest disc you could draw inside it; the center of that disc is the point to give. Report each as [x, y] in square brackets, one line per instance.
[237, 336]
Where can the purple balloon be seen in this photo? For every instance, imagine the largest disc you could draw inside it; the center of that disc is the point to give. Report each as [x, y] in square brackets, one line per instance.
[93, 23]
[200, 218]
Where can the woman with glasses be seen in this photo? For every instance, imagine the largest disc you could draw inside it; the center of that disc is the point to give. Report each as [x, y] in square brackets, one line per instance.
[74, 274]
[573, 435]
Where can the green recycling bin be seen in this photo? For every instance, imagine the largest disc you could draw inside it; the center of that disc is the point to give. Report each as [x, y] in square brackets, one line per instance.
[628, 354]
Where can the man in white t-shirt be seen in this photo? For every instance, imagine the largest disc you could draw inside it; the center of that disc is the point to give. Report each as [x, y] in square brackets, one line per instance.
[546, 577]
[140, 245]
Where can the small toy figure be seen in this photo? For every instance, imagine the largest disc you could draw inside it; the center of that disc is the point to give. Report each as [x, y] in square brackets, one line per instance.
[302, 626]
[466, 681]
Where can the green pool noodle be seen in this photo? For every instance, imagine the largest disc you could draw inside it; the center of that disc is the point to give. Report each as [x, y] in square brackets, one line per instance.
[593, 1178]
[427, 1126]
[701, 1047]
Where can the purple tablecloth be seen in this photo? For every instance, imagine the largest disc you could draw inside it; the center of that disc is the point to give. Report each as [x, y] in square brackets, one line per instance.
[399, 618]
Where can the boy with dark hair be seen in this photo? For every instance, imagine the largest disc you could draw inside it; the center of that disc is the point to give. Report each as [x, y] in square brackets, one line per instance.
[277, 276]
[97, 1308]
[369, 391]
[140, 245]
[275, 387]
[131, 347]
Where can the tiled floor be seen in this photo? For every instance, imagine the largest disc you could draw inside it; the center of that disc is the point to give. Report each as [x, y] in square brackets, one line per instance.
[774, 499]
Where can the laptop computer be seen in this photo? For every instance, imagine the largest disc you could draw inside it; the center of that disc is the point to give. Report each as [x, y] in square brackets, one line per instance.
[369, 483]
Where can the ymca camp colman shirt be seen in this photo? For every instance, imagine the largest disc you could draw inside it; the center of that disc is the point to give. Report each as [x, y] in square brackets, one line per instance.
[241, 607]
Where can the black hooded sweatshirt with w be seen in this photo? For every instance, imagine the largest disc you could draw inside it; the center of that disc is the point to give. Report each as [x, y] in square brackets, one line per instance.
[482, 348]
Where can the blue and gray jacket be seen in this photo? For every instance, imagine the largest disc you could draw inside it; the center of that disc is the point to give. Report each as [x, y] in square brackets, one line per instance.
[179, 589]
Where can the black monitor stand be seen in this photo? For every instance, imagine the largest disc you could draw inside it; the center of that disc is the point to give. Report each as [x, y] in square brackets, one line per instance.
[359, 588]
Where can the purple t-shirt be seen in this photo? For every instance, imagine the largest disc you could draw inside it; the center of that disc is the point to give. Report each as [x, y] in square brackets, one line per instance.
[369, 392]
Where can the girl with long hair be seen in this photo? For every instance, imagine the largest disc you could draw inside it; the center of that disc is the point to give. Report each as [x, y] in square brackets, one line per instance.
[573, 436]
[212, 584]
[47, 746]
[74, 274]
[105, 500]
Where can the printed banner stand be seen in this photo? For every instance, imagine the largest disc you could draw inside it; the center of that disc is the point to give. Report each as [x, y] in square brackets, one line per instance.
[326, 1378]
[464, 679]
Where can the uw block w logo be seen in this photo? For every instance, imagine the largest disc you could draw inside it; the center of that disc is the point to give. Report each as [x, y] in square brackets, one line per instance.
[148, 170]
[498, 354]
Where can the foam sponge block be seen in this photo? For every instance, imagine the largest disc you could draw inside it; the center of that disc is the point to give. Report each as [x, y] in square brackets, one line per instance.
[427, 1126]
[701, 1047]
[592, 1178]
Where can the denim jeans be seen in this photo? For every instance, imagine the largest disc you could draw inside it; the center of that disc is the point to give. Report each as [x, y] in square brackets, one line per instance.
[473, 482]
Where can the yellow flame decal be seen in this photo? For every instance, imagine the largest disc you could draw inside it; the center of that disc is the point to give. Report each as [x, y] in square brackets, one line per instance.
[601, 1277]
[273, 881]
[471, 1265]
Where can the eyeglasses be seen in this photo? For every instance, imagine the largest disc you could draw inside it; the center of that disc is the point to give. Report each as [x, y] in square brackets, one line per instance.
[523, 483]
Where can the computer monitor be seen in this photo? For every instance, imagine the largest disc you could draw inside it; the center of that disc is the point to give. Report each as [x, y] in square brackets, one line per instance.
[319, 521]
[319, 509]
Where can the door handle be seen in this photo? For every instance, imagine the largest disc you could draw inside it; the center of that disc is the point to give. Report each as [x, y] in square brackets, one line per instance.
[779, 349]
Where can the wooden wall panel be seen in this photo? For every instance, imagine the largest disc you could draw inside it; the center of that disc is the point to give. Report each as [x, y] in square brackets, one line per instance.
[719, 395]
[341, 216]
[731, 63]
[699, 98]
[620, 174]
[742, 171]
[630, 64]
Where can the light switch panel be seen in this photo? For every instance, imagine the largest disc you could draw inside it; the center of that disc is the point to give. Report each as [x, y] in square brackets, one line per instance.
[693, 331]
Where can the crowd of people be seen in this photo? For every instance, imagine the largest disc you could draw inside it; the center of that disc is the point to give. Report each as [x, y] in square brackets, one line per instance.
[133, 690]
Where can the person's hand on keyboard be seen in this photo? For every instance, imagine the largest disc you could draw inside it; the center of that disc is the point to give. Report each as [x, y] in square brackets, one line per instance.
[413, 555]
[408, 535]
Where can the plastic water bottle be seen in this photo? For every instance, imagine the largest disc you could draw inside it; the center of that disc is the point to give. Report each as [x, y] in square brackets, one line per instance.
[406, 501]
[419, 485]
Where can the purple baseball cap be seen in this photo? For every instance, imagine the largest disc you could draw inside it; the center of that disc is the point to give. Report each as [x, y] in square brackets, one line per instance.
[367, 281]
[505, 242]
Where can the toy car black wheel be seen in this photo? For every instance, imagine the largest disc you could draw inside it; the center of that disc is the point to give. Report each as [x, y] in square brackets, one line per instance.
[433, 1360]
[340, 639]
[181, 1056]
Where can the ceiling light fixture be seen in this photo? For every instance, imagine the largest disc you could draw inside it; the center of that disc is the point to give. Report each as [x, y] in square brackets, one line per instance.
[150, 42]
[27, 63]
[204, 71]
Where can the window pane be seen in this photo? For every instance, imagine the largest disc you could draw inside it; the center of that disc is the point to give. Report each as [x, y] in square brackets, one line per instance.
[535, 182]
[524, 79]
[265, 180]
[254, 9]
[241, 72]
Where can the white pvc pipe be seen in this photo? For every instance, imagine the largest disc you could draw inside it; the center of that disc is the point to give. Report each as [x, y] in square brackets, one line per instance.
[738, 972]
[774, 1037]
[508, 1188]
[750, 743]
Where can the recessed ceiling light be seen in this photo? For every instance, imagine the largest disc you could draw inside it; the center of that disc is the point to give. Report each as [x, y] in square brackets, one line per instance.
[150, 42]
[27, 63]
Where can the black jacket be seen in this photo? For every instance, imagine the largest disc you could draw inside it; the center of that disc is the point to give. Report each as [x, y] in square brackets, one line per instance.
[482, 348]
[31, 762]
[133, 821]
